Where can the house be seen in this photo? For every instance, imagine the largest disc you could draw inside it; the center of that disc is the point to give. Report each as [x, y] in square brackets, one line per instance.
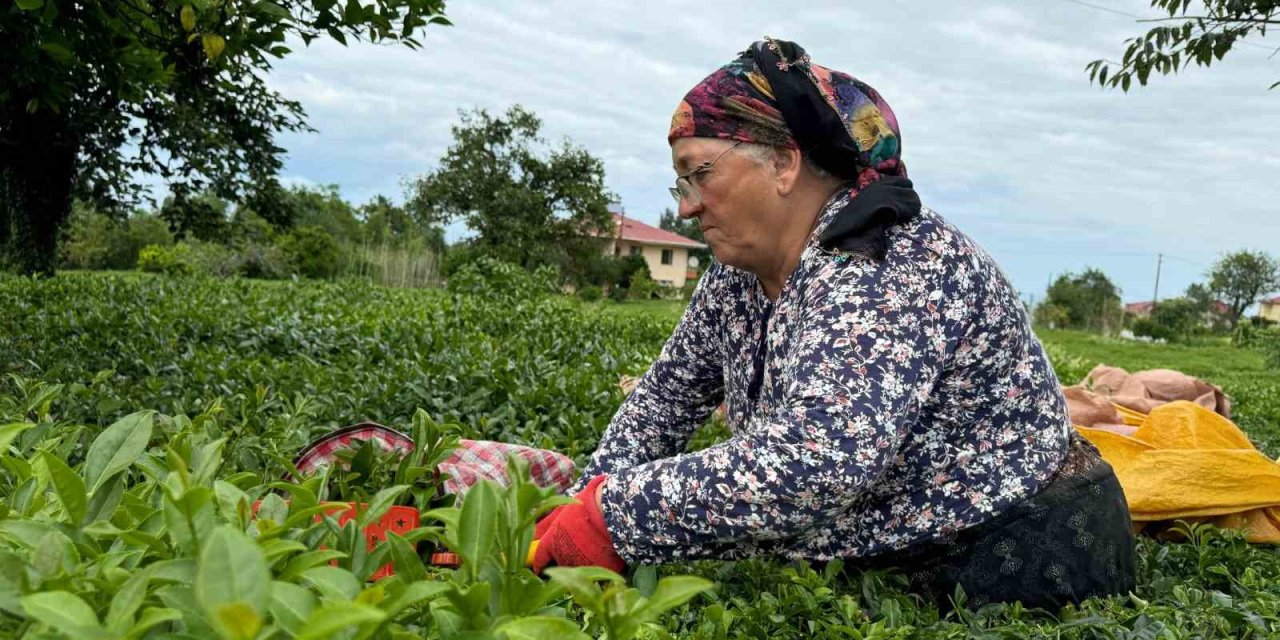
[1270, 309]
[666, 253]
[1140, 309]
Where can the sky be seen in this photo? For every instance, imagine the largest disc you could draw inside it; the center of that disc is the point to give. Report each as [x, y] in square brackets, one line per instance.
[1002, 132]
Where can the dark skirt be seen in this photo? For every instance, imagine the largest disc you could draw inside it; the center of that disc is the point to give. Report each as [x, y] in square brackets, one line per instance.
[1071, 541]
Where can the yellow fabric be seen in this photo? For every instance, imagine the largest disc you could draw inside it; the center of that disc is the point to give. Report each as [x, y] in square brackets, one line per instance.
[1130, 417]
[1186, 462]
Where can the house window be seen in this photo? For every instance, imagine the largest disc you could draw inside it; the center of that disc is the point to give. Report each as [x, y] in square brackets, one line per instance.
[668, 256]
[635, 251]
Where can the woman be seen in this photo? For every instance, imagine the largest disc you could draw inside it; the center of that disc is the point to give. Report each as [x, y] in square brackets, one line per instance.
[889, 402]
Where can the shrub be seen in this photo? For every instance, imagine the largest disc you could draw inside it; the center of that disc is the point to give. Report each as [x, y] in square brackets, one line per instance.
[1051, 315]
[493, 278]
[590, 293]
[618, 293]
[175, 260]
[642, 286]
[1152, 329]
[95, 241]
[312, 252]
[456, 256]
[264, 261]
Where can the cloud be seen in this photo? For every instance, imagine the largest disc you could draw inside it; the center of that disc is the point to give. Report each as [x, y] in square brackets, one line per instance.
[1002, 131]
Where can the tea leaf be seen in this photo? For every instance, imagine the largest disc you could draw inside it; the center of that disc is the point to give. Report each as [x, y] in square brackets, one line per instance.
[152, 617]
[332, 583]
[332, 617]
[10, 432]
[379, 505]
[232, 572]
[407, 562]
[671, 592]
[291, 605]
[541, 628]
[117, 447]
[304, 561]
[69, 487]
[65, 612]
[477, 525]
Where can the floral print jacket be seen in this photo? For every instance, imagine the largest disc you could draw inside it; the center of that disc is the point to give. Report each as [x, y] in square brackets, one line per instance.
[874, 404]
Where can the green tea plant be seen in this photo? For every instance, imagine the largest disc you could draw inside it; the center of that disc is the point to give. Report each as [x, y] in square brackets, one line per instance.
[107, 533]
[362, 470]
[148, 536]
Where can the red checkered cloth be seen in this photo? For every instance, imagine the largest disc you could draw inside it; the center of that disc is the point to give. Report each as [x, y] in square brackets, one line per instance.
[320, 453]
[476, 460]
[472, 461]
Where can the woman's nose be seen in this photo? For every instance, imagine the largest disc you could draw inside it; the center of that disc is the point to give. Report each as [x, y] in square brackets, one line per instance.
[686, 209]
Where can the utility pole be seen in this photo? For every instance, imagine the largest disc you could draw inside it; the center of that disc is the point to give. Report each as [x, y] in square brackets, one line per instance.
[1155, 296]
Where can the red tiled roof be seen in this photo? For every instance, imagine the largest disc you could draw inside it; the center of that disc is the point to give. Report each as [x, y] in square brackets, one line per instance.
[1275, 300]
[635, 231]
[1145, 307]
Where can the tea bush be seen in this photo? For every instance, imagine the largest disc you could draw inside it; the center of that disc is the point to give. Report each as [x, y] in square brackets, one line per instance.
[142, 416]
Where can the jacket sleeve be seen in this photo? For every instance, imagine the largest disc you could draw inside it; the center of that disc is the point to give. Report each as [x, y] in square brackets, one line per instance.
[861, 364]
[675, 397]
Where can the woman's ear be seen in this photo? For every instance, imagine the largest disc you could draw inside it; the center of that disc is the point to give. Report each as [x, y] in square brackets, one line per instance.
[787, 164]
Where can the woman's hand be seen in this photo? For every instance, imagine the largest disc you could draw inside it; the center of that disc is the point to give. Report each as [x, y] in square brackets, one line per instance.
[574, 535]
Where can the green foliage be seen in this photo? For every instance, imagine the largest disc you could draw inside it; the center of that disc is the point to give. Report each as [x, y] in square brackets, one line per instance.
[1091, 301]
[526, 206]
[642, 287]
[1052, 316]
[118, 521]
[1175, 319]
[312, 252]
[1266, 340]
[201, 216]
[1241, 278]
[174, 260]
[150, 534]
[290, 361]
[590, 293]
[1203, 35]
[97, 92]
[497, 280]
[366, 469]
[96, 241]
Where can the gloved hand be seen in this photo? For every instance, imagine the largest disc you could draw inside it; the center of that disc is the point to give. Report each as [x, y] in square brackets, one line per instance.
[574, 535]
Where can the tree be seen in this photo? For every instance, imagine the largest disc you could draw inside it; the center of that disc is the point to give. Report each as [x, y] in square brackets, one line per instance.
[1241, 278]
[690, 229]
[323, 207]
[526, 206]
[202, 216]
[1090, 301]
[1201, 35]
[385, 221]
[97, 91]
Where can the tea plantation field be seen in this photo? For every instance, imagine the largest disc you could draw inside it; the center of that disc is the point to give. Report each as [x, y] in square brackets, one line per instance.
[141, 418]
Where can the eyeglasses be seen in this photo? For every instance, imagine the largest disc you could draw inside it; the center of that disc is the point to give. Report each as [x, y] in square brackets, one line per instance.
[688, 189]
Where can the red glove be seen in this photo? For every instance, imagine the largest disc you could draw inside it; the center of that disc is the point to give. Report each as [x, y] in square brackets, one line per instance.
[575, 535]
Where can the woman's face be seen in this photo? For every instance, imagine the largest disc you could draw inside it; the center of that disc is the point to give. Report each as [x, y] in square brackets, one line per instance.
[739, 212]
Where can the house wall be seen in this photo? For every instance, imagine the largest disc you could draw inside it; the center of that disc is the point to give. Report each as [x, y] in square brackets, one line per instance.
[673, 274]
[1270, 312]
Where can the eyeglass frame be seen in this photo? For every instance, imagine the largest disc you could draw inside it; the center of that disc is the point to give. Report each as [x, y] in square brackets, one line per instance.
[679, 194]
